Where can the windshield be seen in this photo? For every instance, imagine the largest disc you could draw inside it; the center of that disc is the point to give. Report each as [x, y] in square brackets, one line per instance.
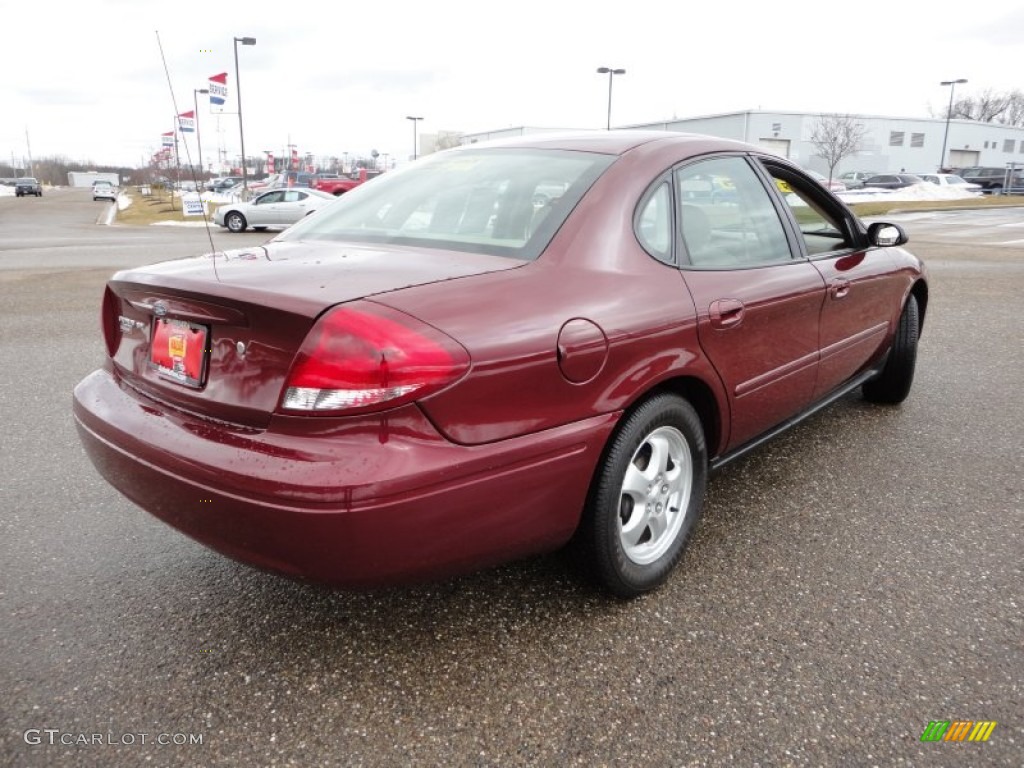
[504, 202]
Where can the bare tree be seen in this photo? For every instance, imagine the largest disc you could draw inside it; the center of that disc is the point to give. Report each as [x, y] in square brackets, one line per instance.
[836, 137]
[447, 140]
[1014, 114]
[987, 107]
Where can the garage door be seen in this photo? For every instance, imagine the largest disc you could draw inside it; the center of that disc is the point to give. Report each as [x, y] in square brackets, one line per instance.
[778, 147]
[963, 158]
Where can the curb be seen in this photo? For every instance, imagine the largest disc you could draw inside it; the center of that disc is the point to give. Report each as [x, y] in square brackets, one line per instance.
[957, 208]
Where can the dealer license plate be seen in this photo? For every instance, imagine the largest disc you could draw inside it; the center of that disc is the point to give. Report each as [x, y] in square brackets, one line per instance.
[179, 351]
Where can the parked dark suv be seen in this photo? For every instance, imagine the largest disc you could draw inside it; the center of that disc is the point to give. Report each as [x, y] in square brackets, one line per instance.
[994, 180]
[28, 186]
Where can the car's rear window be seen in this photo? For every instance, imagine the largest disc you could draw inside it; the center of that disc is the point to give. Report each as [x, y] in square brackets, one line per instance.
[504, 202]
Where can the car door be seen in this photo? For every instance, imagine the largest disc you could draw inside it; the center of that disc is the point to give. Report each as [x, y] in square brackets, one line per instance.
[861, 292]
[758, 302]
[296, 205]
[265, 210]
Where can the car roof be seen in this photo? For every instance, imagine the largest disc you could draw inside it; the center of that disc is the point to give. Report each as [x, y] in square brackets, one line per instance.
[609, 142]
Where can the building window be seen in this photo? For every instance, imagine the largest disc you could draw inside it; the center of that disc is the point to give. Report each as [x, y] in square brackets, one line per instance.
[895, 138]
[917, 139]
[1008, 145]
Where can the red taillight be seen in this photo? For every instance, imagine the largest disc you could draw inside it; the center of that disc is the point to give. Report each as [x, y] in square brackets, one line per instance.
[365, 356]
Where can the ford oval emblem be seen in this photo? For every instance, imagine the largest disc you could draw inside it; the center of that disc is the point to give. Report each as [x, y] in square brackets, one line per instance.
[159, 309]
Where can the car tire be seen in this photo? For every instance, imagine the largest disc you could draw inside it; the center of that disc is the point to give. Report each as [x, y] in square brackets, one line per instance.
[235, 222]
[646, 497]
[892, 385]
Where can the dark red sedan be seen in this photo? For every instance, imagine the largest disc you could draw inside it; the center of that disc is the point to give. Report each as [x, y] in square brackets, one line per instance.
[496, 351]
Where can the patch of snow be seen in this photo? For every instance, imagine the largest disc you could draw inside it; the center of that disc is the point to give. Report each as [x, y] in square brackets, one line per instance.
[926, 191]
[6, 191]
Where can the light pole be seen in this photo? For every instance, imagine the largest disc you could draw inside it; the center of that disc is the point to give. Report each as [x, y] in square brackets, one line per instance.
[949, 113]
[241, 133]
[611, 73]
[199, 141]
[415, 132]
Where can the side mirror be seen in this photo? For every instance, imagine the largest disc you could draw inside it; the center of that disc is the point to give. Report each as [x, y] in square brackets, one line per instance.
[884, 234]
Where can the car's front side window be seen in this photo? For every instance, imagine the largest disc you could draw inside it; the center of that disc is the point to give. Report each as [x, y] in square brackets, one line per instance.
[821, 227]
[726, 215]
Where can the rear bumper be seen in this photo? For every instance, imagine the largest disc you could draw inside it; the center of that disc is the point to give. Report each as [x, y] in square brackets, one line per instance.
[357, 502]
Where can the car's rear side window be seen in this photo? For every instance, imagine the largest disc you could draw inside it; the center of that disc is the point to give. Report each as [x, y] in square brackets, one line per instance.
[505, 202]
[727, 218]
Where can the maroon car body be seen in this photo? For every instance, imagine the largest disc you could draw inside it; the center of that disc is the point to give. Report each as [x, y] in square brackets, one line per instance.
[502, 378]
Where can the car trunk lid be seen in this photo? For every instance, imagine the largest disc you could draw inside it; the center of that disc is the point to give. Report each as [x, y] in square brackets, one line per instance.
[216, 335]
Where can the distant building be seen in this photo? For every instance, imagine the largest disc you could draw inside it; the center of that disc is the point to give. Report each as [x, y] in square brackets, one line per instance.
[890, 143]
[508, 133]
[86, 178]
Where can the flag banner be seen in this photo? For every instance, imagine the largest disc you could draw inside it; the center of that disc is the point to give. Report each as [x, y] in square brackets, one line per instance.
[167, 139]
[219, 88]
[270, 162]
[295, 159]
[187, 122]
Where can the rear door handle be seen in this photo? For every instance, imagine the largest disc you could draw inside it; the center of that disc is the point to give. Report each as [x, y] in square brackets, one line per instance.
[838, 288]
[726, 313]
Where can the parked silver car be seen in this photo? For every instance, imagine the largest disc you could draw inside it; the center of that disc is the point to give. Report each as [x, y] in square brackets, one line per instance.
[104, 190]
[276, 208]
[856, 179]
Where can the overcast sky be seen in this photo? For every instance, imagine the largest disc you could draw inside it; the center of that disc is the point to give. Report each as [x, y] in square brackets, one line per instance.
[86, 78]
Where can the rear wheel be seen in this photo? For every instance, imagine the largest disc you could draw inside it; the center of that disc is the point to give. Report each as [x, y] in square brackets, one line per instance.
[235, 222]
[646, 497]
[892, 385]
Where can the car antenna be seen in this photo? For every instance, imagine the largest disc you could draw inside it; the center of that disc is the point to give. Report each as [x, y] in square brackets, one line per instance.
[188, 155]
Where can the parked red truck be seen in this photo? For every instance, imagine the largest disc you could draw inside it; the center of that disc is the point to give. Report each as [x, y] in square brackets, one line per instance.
[343, 184]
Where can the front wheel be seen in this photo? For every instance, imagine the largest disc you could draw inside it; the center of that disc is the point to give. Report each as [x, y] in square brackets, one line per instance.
[235, 222]
[646, 497]
[892, 385]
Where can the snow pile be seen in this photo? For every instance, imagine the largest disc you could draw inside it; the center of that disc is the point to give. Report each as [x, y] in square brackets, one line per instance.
[6, 191]
[925, 191]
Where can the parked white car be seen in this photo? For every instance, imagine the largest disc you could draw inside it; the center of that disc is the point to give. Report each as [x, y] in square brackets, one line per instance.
[276, 208]
[951, 180]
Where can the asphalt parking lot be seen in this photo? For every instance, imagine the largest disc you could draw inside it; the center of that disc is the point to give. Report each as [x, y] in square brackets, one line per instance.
[850, 582]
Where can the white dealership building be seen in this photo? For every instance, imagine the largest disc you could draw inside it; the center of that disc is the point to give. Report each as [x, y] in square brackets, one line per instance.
[890, 144]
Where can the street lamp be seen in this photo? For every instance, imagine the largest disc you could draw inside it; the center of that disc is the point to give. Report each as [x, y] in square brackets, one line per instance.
[415, 132]
[241, 133]
[199, 141]
[611, 73]
[949, 113]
